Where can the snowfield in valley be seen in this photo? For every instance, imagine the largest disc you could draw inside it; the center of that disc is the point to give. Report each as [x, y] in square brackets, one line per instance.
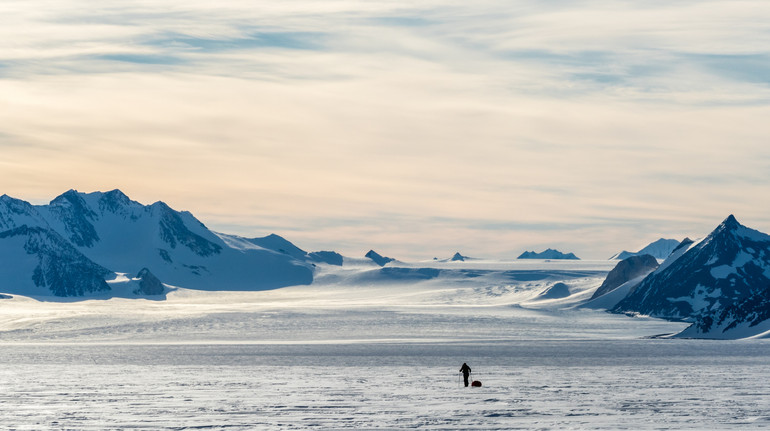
[366, 347]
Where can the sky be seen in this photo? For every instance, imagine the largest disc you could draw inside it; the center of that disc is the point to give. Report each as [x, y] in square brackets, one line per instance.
[417, 129]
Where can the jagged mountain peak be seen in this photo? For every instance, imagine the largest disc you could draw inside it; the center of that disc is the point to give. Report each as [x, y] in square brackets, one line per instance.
[13, 203]
[115, 201]
[16, 212]
[63, 248]
[730, 220]
[458, 257]
[729, 266]
[71, 197]
[730, 231]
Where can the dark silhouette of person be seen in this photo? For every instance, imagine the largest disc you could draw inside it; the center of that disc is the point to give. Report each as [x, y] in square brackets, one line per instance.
[466, 370]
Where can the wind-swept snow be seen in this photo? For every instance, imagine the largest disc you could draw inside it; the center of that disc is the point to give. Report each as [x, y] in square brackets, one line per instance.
[368, 347]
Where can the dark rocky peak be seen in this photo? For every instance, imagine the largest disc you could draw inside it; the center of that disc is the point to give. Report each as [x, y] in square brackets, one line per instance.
[724, 269]
[15, 212]
[458, 257]
[730, 223]
[378, 259]
[149, 284]
[73, 200]
[174, 231]
[76, 216]
[5, 199]
[114, 201]
[627, 269]
[12, 202]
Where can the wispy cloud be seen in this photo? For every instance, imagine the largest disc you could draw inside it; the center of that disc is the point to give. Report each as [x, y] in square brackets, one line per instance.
[490, 126]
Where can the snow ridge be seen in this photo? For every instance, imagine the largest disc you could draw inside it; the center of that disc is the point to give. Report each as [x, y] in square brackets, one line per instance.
[659, 249]
[70, 246]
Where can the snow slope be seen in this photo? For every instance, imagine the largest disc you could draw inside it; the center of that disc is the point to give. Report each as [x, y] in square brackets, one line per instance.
[659, 249]
[365, 347]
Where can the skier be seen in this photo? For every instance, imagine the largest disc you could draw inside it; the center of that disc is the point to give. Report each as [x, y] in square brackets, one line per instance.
[466, 370]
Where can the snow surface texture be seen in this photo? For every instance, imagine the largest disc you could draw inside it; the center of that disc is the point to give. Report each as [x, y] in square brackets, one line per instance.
[366, 347]
[597, 385]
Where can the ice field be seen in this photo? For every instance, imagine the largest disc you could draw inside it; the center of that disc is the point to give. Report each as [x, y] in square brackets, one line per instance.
[371, 348]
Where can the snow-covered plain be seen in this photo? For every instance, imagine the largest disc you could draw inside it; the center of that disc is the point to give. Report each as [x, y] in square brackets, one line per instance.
[365, 347]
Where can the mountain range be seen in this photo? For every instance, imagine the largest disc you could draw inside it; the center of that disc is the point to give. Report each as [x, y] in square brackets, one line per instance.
[721, 284]
[70, 246]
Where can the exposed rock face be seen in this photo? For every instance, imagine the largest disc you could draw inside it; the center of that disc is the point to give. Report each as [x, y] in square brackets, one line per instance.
[58, 265]
[149, 284]
[174, 231]
[73, 212]
[458, 257]
[548, 254]
[627, 269]
[721, 282]
[378, 259]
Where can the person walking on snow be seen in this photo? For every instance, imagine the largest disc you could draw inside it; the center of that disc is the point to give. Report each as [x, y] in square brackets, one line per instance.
[466, 370]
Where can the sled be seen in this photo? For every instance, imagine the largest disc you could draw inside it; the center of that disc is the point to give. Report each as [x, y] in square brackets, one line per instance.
[476, 384]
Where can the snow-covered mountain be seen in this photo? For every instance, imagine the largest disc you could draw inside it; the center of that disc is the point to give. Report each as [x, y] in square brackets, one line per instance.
[69, 247]
[659, 249]
[721, 283]
[547, 254]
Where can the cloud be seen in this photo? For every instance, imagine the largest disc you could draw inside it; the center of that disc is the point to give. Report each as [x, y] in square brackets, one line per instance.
[488, 127]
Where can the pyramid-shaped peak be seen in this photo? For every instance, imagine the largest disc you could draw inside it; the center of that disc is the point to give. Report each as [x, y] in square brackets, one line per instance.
[117, 194]
[10, 200]
[729, 226]
[70, 195]
[730, 222]
[113, 200]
